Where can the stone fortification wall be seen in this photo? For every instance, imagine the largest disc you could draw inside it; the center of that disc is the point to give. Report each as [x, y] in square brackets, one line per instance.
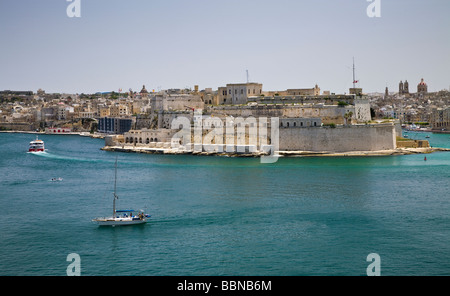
[328, 113]
[176, 102]
[339, 139]
[18, 126]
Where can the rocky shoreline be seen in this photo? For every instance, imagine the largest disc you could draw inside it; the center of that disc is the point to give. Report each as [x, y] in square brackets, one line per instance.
[169, 151]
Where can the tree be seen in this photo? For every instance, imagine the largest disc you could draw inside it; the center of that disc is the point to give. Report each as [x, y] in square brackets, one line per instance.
[348, 116]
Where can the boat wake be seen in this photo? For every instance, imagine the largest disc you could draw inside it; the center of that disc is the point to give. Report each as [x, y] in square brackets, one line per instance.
[46, 154]
[36, 152]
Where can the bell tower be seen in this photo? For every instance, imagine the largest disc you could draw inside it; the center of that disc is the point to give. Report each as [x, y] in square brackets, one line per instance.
[406, 87]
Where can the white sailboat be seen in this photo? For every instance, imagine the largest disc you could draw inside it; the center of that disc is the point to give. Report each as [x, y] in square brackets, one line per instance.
[122, 217]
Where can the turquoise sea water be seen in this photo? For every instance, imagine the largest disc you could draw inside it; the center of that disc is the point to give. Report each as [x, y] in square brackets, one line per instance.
[222, 216]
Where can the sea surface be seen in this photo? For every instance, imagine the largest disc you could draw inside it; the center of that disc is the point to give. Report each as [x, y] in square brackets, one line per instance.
[222, 216]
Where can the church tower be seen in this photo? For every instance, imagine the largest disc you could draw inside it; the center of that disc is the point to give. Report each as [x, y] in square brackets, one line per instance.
[400, 87]
[406, 87]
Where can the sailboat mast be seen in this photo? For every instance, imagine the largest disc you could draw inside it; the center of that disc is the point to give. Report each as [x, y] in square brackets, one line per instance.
[115, 187]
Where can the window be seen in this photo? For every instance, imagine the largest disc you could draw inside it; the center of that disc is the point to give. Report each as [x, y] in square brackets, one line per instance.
[242, 91]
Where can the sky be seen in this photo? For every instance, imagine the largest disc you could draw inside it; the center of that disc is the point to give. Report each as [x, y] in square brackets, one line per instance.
[164, 44]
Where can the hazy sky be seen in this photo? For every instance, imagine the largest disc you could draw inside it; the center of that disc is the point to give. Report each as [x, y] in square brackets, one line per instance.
[176, 44]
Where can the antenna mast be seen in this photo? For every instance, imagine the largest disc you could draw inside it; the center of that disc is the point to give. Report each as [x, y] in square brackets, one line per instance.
[354, 80]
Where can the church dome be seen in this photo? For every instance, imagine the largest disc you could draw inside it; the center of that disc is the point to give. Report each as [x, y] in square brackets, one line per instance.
[144, 91]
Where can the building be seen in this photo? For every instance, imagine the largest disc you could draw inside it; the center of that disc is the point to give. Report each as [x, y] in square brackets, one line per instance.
[403, 88]
[175, 102]
[154, 137]
[304, 91]
[238, 93]
[58, 130]
[222, 94]
[118, 126]
[144, 92]
[119, 110]
[300, 122]
[440, 118]
[104, 111]
[355, 91]
[422, 87]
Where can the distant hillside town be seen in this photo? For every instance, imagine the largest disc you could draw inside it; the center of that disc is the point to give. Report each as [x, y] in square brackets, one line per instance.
[309, 119]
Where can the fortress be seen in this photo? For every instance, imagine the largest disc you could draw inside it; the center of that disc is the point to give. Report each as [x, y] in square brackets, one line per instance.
[304, 123]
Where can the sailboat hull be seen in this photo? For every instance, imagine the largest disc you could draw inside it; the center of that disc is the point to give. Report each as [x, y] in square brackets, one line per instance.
[119, 221]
